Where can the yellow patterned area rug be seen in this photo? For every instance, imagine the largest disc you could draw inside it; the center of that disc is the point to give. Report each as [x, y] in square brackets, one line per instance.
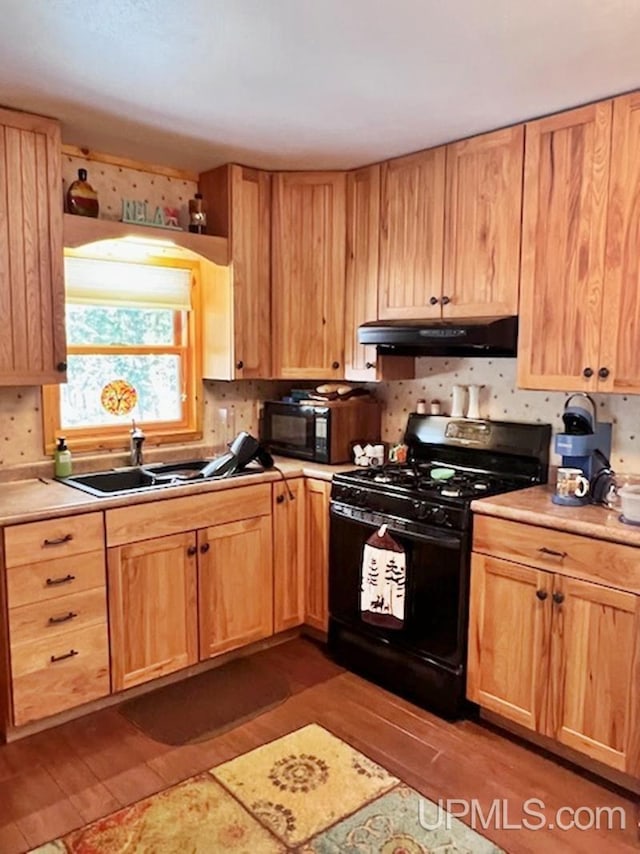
[307, 792]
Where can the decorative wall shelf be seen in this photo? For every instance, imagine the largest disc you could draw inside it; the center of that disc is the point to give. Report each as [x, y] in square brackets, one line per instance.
[79, 230]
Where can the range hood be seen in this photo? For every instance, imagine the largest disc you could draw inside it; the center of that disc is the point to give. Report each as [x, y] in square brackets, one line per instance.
[484, 336]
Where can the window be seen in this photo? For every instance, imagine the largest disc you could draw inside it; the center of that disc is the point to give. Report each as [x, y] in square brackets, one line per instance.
[131, 353]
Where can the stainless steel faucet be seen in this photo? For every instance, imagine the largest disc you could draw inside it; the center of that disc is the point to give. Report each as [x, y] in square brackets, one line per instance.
[136, 440]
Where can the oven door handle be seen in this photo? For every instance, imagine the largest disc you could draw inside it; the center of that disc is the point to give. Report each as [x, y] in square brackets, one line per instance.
[446, 539]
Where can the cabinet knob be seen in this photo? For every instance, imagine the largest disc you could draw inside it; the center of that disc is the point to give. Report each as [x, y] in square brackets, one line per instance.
[603, 373]
[192, 550]
[62, 367]
[204, 548]
[558, 598]
[588, 372]
[369, 365]
[541, 594]
[433, 301]
[240, 365]
[445, 300]
[279, 499]
[335, 365]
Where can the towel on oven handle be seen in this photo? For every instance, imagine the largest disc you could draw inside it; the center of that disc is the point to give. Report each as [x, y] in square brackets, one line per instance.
[382, 581]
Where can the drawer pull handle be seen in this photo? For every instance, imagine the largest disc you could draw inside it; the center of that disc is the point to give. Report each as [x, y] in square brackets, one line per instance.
[62, 657]
[558, 598]
[51, 582]
[541, 594]
[552, 553]
[53, 621]
[59, 540]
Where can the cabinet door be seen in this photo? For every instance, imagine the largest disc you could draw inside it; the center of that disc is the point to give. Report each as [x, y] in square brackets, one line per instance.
[33, 345]
[317, 587]
[236, 300]
[483, 209]
[411, 236]
[308, 274]
[152, 608]
[289, 554]
[509, 639]
[566, 171]
[595, 673]
[235, 585]
[363, 238]
[619, 361]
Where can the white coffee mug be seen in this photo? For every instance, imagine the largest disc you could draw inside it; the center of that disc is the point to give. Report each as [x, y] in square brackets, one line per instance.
[571, 482]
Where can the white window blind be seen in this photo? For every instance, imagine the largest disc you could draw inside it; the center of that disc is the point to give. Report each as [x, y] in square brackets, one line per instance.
[119, 283]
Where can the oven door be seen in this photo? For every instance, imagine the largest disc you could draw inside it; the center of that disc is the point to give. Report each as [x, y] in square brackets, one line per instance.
[437, 570]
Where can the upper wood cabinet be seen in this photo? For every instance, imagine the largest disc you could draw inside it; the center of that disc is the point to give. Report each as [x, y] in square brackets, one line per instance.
[483, 205]
[33, 347]
[362, 363]
[566, 178]
[411, 235]
[308, 274]
[619, 364]
[237, 301]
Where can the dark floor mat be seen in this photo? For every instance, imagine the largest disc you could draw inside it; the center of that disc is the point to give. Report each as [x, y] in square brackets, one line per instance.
[207, 704]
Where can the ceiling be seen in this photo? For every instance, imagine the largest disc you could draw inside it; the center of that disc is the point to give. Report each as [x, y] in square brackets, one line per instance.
[302, 83]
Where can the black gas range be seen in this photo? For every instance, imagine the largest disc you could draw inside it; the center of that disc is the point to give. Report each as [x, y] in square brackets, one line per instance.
[399, 553]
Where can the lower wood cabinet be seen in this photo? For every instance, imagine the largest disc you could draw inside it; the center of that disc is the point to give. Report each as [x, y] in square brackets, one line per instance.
[559, 656]
[289, 554]
[316, 609]
[152, 608]
[235, 582]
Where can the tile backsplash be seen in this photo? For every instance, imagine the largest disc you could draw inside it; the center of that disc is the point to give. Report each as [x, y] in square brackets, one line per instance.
[230, 407]
[500, 400]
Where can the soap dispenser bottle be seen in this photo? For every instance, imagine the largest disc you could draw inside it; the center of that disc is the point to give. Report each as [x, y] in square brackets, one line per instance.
[62, 459]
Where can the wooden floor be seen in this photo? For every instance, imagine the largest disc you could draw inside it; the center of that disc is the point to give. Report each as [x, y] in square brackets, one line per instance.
[55, 781]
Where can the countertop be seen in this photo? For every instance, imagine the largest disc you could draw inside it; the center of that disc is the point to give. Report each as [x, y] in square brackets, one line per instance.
[42, 498]
[534, 506]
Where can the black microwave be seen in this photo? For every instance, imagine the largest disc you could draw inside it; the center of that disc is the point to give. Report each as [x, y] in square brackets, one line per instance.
[320, 431]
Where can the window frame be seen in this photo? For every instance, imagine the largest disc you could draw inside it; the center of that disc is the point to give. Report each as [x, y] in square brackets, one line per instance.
[116, 437]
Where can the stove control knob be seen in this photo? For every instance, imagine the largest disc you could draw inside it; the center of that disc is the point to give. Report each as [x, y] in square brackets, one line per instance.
[420, 509]
[439, 515]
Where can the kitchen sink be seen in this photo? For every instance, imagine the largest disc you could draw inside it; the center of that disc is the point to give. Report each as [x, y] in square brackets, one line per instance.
[146, 478]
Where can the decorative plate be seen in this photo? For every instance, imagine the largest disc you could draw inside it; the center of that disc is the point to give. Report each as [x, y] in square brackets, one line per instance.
[118, 397]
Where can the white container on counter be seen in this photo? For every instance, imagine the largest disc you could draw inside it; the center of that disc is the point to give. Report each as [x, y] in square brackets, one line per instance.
[629, 495]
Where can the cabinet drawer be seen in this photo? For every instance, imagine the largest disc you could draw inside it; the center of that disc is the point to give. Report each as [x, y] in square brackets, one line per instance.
[53, 579]
[175, 515]
[42, 687]
[52, 538]
[558, 551]
[60, 616]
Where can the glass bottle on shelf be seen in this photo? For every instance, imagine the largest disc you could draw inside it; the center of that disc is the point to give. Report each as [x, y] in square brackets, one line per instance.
[197, 215]
[82, 199]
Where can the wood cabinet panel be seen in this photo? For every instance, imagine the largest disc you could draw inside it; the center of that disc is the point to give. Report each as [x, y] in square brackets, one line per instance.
[56, 578]
[46, 679]
[173, 515]
[621, 315]
[289, 554]
[559, 551]
[235, 581]
[308, 274]
[317, 561]
[239, 207]
[595, 673]
[482, 225]
[52, 538]
[509, 639]
[33, 346]
[412, 235]
[152, 608]
[566, 177]
[62, 616]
